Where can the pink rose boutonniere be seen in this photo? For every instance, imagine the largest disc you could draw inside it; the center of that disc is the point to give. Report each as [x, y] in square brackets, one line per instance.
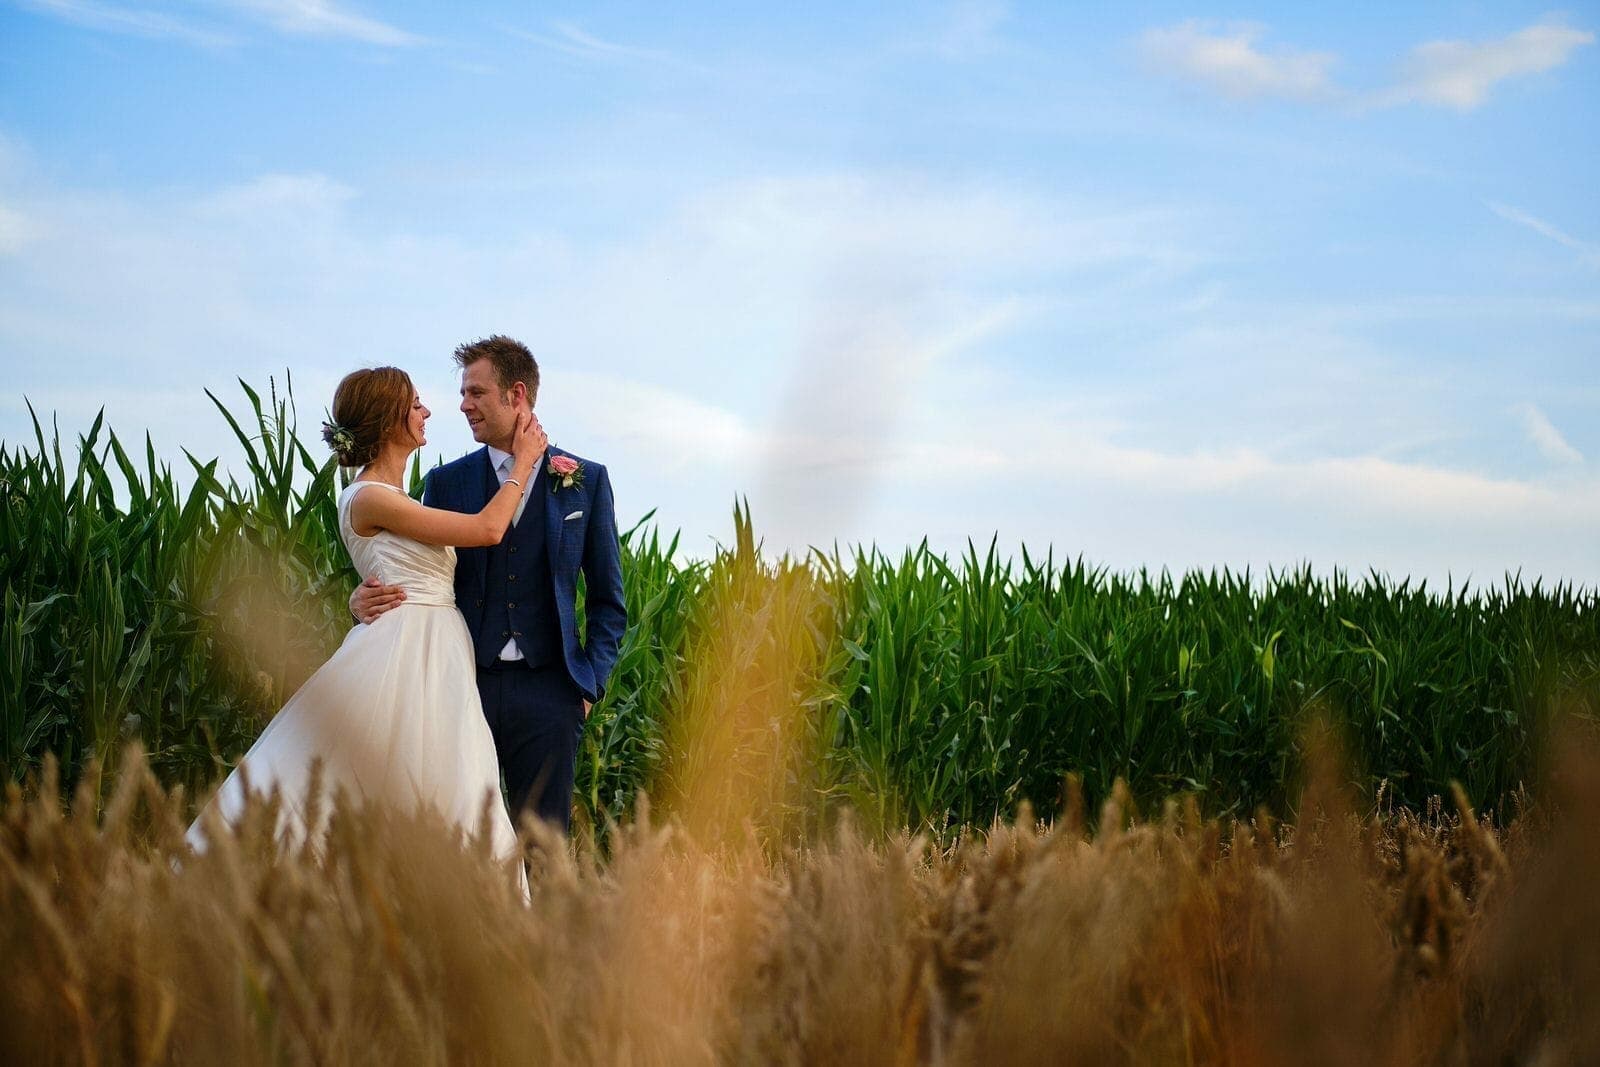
[565, 472]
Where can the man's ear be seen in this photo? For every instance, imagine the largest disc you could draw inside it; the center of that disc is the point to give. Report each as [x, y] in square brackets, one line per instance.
[519, 394]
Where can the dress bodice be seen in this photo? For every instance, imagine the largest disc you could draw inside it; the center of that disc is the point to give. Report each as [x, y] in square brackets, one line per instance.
[425, 572]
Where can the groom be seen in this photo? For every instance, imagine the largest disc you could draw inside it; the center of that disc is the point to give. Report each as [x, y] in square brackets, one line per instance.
[537, 680]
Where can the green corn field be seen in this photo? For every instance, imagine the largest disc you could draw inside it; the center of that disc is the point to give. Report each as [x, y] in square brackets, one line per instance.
[180, 610]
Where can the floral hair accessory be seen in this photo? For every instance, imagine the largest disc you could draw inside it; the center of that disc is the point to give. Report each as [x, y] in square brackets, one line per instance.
[340, 439]
[565, 472]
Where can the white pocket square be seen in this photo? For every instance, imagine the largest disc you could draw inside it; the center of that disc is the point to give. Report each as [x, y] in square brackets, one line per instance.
[574, 515]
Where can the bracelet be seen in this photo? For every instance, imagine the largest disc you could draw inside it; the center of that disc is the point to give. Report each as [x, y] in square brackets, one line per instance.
[513, 481]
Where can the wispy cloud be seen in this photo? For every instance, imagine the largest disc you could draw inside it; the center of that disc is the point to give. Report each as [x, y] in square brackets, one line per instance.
[299, 18]
[571, 39]
[962, 30]
[276, 194]
[1461, 74]
[130, 21]
[1545, 437]
[1588, 251]
[1228, 61]
[322, 18]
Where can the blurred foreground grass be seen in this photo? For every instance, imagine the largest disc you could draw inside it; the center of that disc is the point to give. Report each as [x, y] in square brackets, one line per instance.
[1399, 938]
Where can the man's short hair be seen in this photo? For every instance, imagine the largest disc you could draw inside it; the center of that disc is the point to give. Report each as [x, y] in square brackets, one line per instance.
[512, 362]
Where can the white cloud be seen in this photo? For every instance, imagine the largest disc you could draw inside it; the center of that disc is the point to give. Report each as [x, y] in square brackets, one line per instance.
[823, 309]
[770, 323]
[1229, 62]
[831, 345]
[1542, 432]
[322, 18]
[1043, 473]
[16, 231]
[862, 371]
[1373, 484]
[276, 195]
[666, 420]
[1588, 252]
[135, 22]
[1458, 74]
[1461, 74]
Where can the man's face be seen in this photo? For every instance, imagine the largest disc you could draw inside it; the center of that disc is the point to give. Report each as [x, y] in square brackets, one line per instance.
[491, 413]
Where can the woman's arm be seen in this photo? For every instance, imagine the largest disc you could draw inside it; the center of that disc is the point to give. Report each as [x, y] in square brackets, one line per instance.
[400, 514]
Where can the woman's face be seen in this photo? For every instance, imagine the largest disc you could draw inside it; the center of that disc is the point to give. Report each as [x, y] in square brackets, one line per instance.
[417, 421]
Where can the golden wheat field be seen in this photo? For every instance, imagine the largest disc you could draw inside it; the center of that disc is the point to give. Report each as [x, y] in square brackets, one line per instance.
[1385, 937]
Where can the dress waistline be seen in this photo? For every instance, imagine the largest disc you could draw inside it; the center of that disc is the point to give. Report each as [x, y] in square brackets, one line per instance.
[430, 598]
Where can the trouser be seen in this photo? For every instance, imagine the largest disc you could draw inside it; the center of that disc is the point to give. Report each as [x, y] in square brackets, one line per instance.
[536, 716]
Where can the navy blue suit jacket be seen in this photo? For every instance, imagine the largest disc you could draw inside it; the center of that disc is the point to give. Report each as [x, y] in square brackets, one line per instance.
[580, 534]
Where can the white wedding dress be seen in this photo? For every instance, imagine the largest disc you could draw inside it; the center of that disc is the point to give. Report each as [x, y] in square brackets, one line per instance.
[394, 716]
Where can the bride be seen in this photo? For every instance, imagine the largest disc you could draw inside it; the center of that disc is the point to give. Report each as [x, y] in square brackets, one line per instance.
[394, 716]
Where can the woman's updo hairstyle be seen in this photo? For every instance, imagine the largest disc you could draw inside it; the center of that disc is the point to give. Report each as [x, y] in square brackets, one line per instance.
[367, 407]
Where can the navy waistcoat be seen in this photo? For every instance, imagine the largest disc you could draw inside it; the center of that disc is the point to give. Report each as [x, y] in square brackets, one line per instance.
[519, 594]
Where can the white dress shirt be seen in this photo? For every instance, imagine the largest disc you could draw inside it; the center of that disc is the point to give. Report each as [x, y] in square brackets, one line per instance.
[503, 462]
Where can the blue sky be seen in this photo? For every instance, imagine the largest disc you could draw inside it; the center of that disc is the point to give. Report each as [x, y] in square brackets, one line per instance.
[1161, 285]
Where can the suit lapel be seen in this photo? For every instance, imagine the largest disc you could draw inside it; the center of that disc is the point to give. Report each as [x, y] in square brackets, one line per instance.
[552, 510]
[478, 493]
